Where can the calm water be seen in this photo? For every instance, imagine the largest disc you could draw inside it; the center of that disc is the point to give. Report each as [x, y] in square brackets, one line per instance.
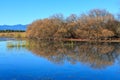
[59, 61]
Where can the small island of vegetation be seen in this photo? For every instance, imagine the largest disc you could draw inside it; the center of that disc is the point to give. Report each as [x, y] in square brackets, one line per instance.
[97, 24]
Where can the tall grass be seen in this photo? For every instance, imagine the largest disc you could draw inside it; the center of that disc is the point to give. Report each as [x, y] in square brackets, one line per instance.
[13, 34]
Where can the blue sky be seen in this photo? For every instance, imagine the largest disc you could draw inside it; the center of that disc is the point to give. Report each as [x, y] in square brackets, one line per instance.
[26, 11]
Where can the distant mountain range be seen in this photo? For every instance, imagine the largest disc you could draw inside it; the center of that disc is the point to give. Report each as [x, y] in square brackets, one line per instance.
[13, 27]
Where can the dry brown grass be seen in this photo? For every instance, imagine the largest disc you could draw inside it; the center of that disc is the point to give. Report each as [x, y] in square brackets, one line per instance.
[13, 34]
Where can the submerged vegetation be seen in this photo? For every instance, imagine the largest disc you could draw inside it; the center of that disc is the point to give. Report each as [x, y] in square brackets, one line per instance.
[96, 24]
[17, 44]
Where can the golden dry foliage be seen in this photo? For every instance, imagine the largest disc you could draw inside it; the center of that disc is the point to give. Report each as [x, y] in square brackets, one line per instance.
[43, 29]
[107, 33]
[13, 34]
[96, 24]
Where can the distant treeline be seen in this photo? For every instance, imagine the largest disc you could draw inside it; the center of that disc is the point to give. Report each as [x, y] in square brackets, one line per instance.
[12, 31]
[96, 24]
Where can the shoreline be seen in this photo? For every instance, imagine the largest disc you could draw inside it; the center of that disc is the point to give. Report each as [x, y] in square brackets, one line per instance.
[22, 35]
[87, 40]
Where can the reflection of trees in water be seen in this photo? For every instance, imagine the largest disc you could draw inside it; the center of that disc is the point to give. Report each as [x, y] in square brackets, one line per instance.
[96, 55]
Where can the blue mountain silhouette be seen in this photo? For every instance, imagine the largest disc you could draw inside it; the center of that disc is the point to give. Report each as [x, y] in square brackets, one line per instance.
[13, 27]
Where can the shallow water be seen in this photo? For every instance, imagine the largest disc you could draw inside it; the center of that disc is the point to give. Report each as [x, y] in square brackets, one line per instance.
[60, 61]
[6, 39]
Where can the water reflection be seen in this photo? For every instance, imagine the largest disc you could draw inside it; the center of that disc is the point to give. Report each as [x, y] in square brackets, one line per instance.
[96, 55]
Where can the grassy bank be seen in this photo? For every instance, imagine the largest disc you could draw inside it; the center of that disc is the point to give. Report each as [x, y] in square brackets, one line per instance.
[23, 35]
[13, 34]
[88, 40]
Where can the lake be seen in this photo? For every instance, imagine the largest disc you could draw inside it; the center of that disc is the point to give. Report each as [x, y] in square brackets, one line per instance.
[40, 60]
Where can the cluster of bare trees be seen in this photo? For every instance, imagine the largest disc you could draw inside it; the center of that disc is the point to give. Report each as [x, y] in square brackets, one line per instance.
[96, 24]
